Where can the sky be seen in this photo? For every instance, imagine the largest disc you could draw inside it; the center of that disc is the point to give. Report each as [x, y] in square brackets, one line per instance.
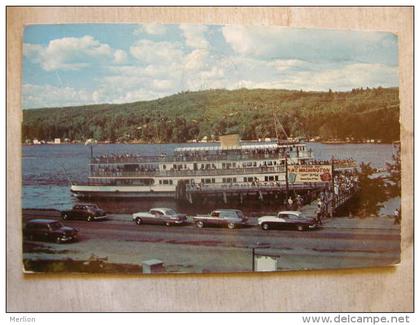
[80, 64]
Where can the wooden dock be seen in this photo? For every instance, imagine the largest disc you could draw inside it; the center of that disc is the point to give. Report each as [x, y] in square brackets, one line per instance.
[244, 192]
[332, 204]
[241, 194]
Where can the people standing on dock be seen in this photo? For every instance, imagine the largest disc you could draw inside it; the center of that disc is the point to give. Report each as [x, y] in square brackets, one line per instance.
[290, 203]
[318, 212]
[321, 197]
[299, 202]
[322, 206]
[397, 216]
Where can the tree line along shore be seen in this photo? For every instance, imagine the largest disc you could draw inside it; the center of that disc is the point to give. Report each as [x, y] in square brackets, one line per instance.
[359, 115]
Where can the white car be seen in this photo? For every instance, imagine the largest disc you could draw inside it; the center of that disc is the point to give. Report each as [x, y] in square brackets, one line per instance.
[164, 216]
[288, 220]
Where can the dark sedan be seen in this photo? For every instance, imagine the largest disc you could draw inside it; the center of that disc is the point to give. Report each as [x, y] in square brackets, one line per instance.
[49, 230]
[84, 211]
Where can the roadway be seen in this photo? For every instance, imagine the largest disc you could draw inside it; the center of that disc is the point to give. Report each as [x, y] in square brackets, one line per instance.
[348, 242]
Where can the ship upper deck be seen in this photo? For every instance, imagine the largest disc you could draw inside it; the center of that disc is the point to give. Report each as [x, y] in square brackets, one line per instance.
[213, 153]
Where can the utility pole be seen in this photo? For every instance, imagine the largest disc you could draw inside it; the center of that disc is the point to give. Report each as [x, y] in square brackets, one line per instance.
[287, 175]
[90, 142]
[275, 126]
[333, 187]
[91, 159]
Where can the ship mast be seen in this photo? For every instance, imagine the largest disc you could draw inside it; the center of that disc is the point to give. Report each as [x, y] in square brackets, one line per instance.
[277, 124]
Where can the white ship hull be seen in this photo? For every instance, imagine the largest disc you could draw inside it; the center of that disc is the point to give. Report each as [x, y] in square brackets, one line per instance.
[98, 191]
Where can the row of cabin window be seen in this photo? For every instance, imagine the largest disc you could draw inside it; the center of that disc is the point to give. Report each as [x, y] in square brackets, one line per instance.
[266, 179]
[166, 181]
[259, 164]
[208, 180]
[245, 179]
[226, 165]
[229, 180]
[203, 181]
[182, 167]
[225, 180]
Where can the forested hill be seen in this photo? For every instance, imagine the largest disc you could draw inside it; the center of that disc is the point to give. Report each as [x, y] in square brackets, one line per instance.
[358, 114]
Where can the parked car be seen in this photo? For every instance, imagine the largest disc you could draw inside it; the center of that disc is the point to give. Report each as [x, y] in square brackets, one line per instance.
[288, 220]
[49, 230]
[84, 211]
[227, 217]
[164, 216]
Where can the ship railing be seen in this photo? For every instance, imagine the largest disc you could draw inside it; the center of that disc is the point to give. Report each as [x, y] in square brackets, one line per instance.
[345, 165]
[252, 186]
[187, 173]
[301, 154]
[197, 158]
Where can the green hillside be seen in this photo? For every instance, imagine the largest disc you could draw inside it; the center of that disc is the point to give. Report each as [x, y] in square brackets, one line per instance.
[360, 114]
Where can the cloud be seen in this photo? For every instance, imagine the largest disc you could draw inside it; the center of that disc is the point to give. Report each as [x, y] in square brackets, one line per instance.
[354, 76]
[148, 51]
[195, 35]
[129, 90]
[37, 96]
[164, 84]
[158, 71]
[282, 65]
[313, 45]
[51, 96]
[120, 56]
[324, 77]
[123, 81]
[33, 52]
[158, 78]
[196, 59]
[151, 29]
[70, 53]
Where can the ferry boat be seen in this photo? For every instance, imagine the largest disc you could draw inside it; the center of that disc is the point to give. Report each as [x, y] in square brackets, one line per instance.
[230, 162]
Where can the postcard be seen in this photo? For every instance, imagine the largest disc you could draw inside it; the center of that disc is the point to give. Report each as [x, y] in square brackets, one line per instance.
[153, 148]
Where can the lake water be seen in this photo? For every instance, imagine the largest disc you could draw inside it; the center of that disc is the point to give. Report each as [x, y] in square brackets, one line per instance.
[47, 169]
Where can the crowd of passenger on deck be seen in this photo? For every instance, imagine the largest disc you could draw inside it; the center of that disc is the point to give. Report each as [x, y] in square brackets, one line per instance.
[121, 158]
[198, 155]
[233, 154]
[118, 171]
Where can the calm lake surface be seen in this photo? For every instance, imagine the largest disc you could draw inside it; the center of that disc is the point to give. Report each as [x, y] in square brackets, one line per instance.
[47, 169]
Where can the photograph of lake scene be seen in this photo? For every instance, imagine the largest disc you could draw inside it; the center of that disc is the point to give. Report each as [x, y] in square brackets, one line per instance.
[152, 148]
